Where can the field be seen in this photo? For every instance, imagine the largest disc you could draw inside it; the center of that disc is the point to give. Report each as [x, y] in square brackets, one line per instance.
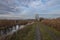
[46, 29]
[55, 23]
[9, 23]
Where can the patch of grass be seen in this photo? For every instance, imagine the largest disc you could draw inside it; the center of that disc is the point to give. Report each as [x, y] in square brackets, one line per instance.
[45, 34]
[26, 33]
[57, 33]
[31, 34]
[52, 30]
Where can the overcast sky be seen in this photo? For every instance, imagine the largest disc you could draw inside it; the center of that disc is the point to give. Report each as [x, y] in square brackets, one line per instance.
[28, 8]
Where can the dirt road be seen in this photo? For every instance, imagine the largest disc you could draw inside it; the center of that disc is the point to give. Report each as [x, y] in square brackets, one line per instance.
[44, 33]
[37, 32]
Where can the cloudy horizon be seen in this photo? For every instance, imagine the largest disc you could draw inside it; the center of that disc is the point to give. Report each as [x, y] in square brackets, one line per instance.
[28, 8]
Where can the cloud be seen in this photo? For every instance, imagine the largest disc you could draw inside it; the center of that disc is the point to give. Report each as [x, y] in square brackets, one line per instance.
[24, 8]
[44, 4]
[55, 12]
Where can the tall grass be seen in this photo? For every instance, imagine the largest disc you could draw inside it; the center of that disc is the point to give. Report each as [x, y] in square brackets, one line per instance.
[27, 33]
[55, 23]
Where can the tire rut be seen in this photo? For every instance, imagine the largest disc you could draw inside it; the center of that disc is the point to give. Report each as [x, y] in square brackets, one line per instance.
[38, 33]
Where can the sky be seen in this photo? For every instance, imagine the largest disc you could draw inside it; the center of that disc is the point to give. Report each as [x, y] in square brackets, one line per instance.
[28, 8]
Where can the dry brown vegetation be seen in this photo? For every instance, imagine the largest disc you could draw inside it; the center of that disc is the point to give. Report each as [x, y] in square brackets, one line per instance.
[6, 23]
[10, 23]
[55, 23]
